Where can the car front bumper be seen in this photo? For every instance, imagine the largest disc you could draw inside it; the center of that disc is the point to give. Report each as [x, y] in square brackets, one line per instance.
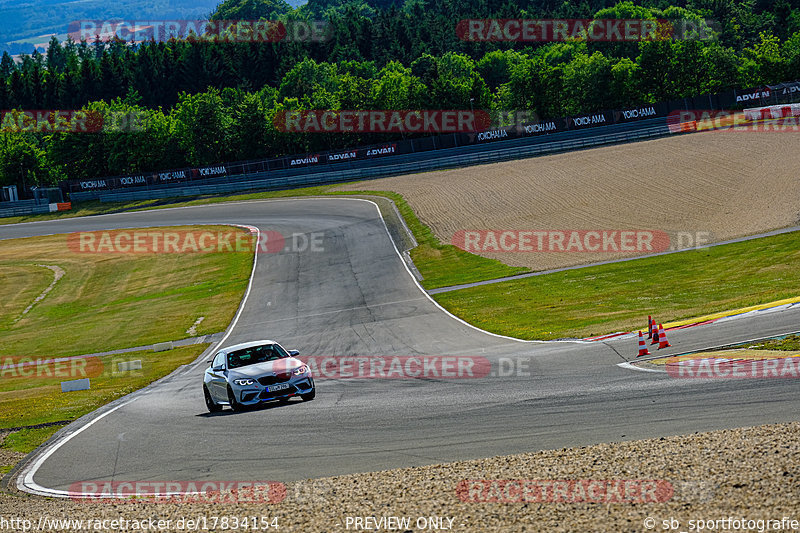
[256, 393]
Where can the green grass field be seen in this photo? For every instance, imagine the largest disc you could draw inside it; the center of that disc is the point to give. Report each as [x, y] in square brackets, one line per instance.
[787, 344]
[109, 301]
[27, 440]
[618, 297]
[26, 400]
[103, 301]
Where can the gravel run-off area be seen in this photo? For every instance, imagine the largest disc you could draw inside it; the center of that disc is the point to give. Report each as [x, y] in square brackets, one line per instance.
[750, 473]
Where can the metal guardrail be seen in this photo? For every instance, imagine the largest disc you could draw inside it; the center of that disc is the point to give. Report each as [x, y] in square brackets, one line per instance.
[419, 162]
[19, 203]
[22, 211]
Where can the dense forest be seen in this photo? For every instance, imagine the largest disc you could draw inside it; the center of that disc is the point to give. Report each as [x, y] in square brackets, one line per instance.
[205, 102]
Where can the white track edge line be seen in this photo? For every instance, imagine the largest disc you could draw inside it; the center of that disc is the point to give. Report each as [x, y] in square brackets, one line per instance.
[429, 297]
[25, 480]
[246, 294]
[631, 366]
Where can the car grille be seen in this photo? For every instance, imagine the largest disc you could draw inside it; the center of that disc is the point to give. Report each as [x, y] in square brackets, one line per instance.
[272, 380]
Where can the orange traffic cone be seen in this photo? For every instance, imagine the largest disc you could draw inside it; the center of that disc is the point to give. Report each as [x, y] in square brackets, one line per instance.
[662, 336]
[649, 327]
[655, 333]
[642, 346]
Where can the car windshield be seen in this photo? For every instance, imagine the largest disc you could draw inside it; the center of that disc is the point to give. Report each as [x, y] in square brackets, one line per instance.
[256, 354]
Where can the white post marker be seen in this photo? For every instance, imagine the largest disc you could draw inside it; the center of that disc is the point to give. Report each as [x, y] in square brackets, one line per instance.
[162, 346]
[75, 385]
[126, 366]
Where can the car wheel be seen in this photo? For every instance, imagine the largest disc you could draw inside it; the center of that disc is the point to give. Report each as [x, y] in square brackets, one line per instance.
[309, 396]
[236, 406]
[212, 407]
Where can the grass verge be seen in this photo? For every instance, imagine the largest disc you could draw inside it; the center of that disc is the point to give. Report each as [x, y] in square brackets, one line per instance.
[618, 297]
[99, 302]
[747, 354]
[27, 400]
[787, 344]
[27, 440]
[107, 301]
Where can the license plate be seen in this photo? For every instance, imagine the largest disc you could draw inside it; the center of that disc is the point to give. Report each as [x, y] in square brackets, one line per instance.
[274, 388]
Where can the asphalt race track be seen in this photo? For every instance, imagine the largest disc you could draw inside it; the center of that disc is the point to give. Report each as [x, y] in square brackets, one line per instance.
[357, 298]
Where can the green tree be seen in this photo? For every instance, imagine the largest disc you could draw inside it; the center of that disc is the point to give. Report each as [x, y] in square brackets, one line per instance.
[304, 77]
[624, 90]
[4, 93]
[7, 65]
[495, 67]
[656, 60]
[396, 88]
[764, 63]
[622, 10]
[457, 85]
[201, 123]
[790, 51]
[532, 80]
[56, 56]
[250, 9]
[249, 128]
[587, 84]
[16, 90]
[22, 163]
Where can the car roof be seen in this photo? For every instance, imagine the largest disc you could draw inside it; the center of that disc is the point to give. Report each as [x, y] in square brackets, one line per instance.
[244, 345]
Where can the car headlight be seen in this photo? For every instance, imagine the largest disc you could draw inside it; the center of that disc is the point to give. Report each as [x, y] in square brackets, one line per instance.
[302, 370]
[244, 382]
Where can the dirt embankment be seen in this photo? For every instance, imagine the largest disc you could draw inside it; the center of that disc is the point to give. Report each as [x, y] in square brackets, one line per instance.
[715, 186]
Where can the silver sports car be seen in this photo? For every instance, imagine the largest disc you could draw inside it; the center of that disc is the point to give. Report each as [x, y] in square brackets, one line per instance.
[248, 374]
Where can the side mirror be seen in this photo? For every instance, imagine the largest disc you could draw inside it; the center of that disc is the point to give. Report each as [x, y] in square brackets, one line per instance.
[218, 368]
[294, 352]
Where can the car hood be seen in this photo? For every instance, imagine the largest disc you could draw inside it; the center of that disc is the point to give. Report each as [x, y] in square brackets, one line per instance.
[279, 366]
